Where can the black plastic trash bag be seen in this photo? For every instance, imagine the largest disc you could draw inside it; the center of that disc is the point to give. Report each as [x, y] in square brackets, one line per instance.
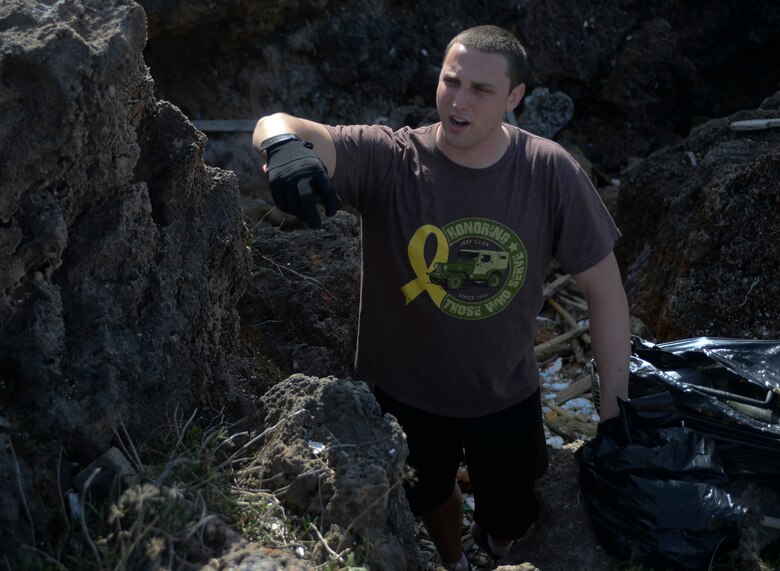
[652, 488]
[728, 389]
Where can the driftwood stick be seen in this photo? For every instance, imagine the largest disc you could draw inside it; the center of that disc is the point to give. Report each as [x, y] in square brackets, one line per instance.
[569, 425]
[577, 388]
[555, 429]
[770, 521]
[573, 422]
[555, 285]
[569, 318]
[572, 416]
[579, 354]
[562, 312]
[574, 301]
[551, 345]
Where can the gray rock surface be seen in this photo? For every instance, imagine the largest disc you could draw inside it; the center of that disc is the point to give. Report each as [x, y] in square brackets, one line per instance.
[545, 113]
[254, 557]
[123, 255]
[700, 252]
[302, 297]
[340, 459]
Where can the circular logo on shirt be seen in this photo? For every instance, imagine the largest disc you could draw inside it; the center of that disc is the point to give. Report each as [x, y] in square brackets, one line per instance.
[478, 266]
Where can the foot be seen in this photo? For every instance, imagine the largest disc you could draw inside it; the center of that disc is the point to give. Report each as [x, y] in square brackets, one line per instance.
[482, 540]
[461, 564]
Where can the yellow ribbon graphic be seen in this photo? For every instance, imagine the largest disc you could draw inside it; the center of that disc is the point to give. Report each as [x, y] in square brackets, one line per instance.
[416, 251]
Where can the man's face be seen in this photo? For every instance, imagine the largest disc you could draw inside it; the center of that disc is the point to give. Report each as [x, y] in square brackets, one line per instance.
[472, 97]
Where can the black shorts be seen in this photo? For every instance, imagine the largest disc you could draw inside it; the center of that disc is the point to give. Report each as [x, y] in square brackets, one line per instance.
[505, 453]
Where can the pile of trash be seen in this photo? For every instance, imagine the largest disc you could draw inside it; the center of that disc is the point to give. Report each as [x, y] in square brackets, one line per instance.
[702, 415]
[727, 389]
[563, 351]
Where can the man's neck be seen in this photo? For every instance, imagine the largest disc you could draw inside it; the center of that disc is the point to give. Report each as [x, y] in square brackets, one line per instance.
[487, 153]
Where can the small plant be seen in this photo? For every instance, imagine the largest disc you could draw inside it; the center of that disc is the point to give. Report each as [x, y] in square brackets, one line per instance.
[195, 478]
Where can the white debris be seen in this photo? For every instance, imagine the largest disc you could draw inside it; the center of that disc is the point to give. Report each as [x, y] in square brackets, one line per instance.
[316, 447]
[552, 368]
[74, 503]
[581, 405]
[555, 442]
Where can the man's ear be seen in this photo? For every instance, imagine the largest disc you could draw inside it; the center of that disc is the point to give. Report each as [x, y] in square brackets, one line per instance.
[515, 97]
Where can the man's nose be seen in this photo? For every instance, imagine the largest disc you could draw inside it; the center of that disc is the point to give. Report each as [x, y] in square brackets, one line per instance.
[459, 99]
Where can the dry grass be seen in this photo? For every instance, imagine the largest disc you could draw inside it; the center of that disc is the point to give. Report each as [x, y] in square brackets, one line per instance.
[197, 494]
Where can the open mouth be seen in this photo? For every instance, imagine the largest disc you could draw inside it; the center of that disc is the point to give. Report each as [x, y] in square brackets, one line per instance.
[457, 123]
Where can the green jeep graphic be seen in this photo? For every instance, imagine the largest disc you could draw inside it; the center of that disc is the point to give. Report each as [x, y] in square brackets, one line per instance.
[478, 266]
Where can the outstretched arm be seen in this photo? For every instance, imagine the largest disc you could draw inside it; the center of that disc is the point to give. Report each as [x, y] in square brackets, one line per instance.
[609, 330]
[300, 155]
[315, 133]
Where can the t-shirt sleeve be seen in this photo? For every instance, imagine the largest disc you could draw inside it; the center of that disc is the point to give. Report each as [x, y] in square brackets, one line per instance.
[585, 231]
[364, 159]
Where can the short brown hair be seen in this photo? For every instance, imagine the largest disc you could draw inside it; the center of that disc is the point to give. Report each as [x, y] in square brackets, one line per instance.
[495, 40]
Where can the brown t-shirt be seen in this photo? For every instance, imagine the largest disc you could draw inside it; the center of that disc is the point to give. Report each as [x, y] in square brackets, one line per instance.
[454, 261]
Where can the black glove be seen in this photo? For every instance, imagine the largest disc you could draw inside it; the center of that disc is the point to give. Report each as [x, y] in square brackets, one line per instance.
[610, 428]
[297, 178]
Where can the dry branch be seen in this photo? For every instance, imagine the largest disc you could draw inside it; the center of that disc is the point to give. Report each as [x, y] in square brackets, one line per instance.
[569, 423]
[562, 312]
[555, 285]
[554, 343]
[574, 301]
[577, 388]
[579, 354]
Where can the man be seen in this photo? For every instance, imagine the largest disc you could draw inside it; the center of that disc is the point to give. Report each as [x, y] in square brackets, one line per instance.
[459, 221]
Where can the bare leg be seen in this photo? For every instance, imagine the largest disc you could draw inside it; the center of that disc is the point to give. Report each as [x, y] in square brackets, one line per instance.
[444, 525]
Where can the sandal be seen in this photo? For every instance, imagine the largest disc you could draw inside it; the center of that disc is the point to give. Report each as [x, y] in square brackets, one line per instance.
[456, 565]
[480, 538]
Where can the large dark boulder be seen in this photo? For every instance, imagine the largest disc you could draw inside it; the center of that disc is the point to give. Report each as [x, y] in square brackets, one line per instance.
[122, 254]
[641, 75]
[701, 246]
